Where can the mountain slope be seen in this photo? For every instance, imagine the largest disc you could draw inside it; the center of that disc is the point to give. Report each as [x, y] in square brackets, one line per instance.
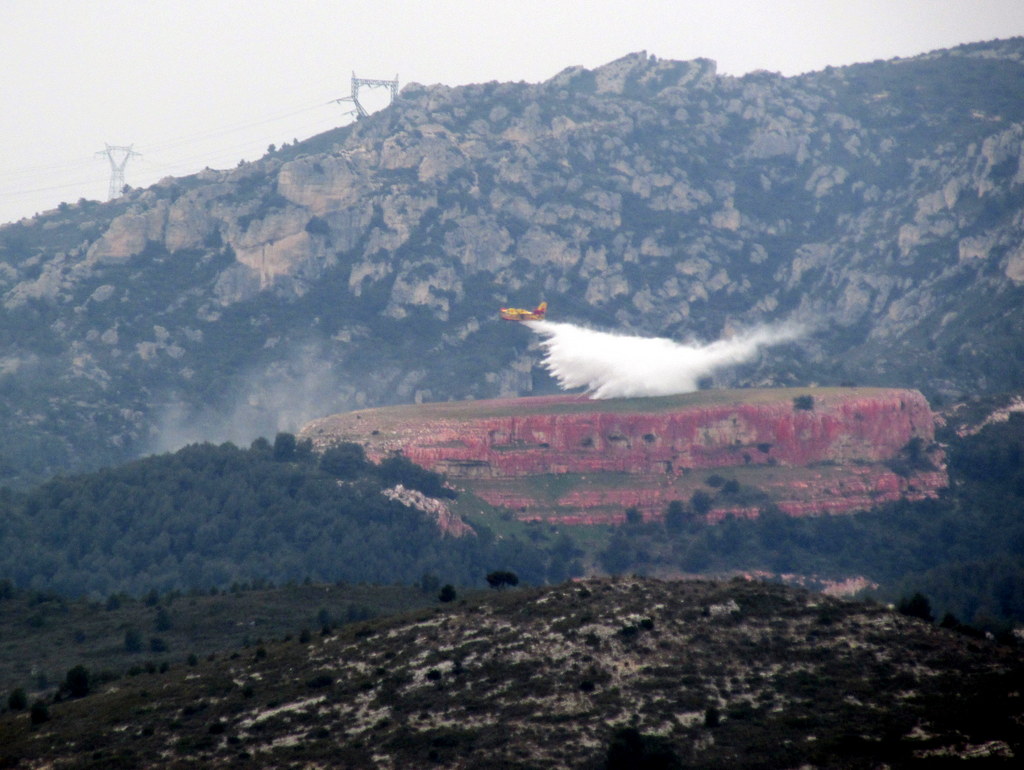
[881, 204]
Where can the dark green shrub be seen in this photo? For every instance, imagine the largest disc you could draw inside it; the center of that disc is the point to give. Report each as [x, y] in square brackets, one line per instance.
[804, 403]
[701, 502]
[917, 606]
[317, 226]
[284, 447]
[319, 681]
[39, 713]
[447, 593]
[630, 749]
[401, 470]
[501, 578]
[77, 681]
[17, 700]
[344, 461]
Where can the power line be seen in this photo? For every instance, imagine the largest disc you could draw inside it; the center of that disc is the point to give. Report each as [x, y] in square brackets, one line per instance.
[118, 157]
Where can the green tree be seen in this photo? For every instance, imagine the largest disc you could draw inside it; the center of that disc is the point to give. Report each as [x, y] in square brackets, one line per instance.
[344, 461]
[630, 749]
[39, 713]
[701, 502]
[399, 469]
[917, 606]
[501, 578]
[805, 403]
[77, 681]
[17, 700]
[284, 447]
[677, 519]
[447, 593]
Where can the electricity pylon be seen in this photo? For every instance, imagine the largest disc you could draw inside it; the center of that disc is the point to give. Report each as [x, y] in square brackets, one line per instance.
[357, 83]
[117, 167]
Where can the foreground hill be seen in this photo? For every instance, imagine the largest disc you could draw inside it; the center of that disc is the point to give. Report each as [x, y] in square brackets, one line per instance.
[46, 634]
[574, 460]
[580, 675]
[879, 203]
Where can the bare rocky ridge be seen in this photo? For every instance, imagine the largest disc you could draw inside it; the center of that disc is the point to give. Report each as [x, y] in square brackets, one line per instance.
[712, 675]
[833, 456]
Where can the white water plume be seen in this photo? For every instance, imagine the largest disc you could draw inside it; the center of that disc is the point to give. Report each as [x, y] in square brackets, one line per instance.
[621, 366]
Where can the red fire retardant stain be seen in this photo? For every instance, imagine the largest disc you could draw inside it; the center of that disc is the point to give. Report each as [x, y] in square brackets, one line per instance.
[842, 444]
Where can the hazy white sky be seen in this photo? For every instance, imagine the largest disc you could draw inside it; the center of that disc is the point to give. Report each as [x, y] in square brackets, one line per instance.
[195, 83]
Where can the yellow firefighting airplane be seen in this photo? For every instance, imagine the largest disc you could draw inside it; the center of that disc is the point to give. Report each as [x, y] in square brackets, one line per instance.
[518, 314]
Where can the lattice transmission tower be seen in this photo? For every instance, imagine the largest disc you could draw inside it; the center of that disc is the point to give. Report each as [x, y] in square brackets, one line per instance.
[357, 83]
[118, 157]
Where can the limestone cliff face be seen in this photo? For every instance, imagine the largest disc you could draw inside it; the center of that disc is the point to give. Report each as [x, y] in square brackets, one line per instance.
[646, 452]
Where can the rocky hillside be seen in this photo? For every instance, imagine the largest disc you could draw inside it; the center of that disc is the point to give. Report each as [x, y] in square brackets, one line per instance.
[834, 451]
[882, 204]
[616, 673]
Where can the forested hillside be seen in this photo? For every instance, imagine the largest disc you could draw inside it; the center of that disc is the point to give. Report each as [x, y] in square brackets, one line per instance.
[879, 204]
[213, 516]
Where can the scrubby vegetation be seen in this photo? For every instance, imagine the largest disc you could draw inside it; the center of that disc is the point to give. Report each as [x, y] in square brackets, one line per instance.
[615, 673]
[45, 635]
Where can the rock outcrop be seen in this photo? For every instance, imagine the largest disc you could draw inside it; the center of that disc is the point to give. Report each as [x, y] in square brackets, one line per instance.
[447, 522]
[585, 461]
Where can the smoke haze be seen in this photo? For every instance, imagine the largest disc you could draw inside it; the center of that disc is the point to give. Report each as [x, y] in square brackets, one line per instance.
[620, 366]
[281, 396]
